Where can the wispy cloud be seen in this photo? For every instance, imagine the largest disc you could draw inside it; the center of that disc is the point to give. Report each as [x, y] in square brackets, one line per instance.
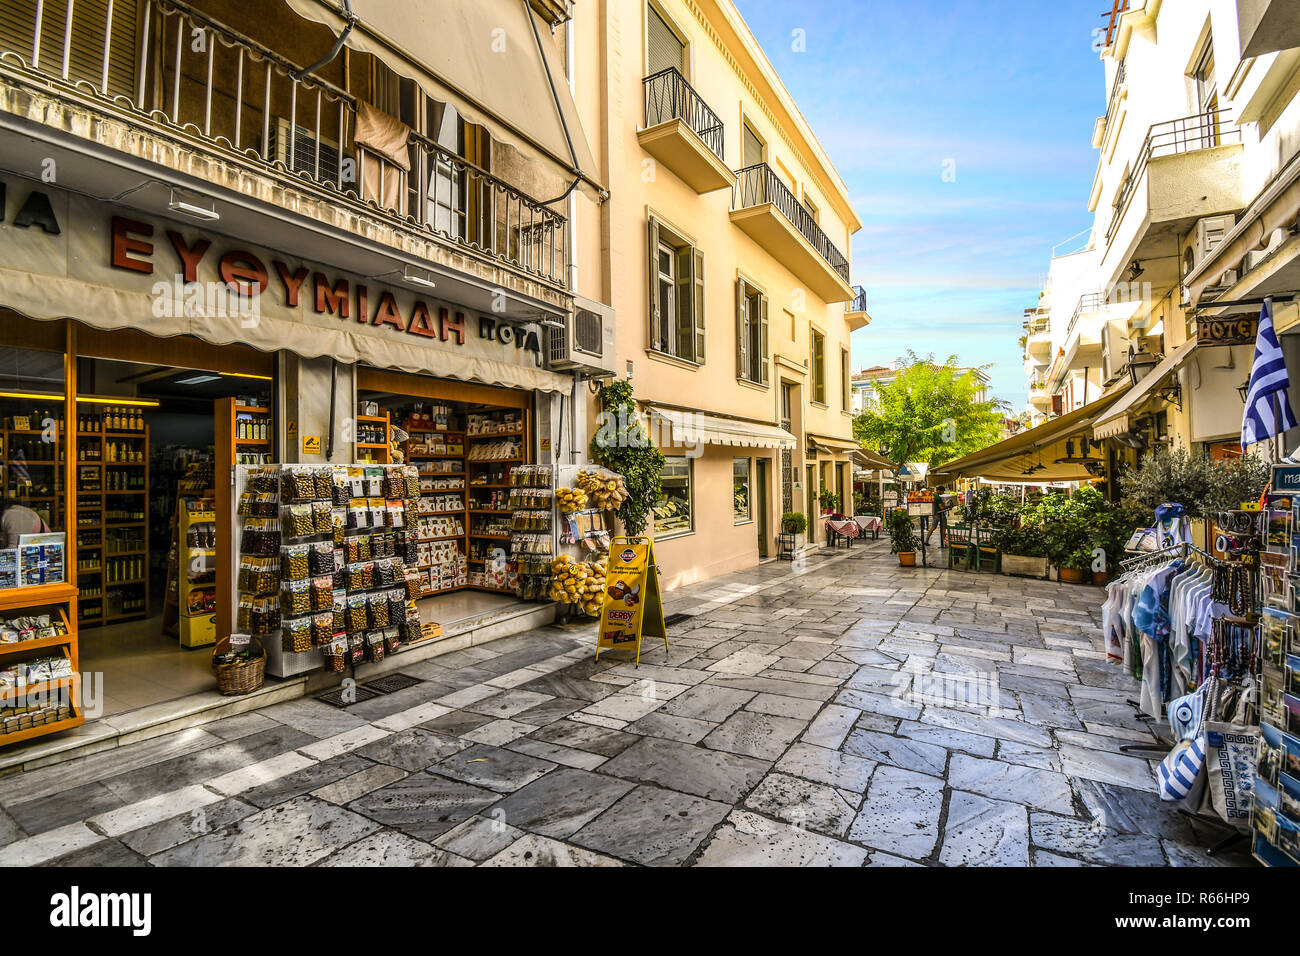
[1008, 93]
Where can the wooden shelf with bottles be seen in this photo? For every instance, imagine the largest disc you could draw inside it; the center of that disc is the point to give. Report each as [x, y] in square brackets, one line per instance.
[35, 481]
[60, 602]
[373, 434]
[112, 508]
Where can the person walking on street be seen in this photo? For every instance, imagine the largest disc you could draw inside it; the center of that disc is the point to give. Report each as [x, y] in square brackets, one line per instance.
[940, 521]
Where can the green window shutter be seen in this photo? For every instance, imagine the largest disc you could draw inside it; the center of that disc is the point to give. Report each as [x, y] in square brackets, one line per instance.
[685, 301]
[751, 147]
[652, 258]
[742, 331]
[819, 367]
[764, 359]
[699, 307]
[663, 49]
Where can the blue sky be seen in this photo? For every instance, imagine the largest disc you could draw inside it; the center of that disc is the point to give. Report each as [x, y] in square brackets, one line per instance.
[1007, 90]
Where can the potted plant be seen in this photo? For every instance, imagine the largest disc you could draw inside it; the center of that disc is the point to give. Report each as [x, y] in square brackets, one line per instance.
[903, 539]
[1024, 551]
[830, 501]
[1073, 568]
[794, 523]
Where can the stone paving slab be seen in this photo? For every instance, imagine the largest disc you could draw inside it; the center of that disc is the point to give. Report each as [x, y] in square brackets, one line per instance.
[780, 728]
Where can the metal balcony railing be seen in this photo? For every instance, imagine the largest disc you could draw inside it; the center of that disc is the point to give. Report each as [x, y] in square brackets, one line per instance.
[1088, 302]
[1036, 325]
[668, 97]
[185, 74]
[759, 184]
[1120, 75]
[1183, 135]
[859, 300]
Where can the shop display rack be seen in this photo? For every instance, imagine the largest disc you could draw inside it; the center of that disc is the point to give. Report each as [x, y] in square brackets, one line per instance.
[45, 706]
[112, 509]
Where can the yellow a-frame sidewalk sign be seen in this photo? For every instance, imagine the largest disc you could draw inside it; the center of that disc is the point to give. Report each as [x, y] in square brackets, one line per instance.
[632, 607]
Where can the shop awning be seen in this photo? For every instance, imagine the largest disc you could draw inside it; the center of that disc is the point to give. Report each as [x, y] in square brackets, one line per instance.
[913, 471]
[1034, 455]
[492, 61]
[695, 428]
[834, 446]
[1116, 419]
[872, 460]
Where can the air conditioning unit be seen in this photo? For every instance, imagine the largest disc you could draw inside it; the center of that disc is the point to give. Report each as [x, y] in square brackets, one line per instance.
[1209, 232]
[304, 151]
[1114, 350]
[583, 341]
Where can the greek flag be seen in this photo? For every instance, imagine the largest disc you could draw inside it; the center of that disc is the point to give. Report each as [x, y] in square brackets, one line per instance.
[1268, 386]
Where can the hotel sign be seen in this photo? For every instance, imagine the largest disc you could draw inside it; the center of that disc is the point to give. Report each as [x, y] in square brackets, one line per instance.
[1235, 330]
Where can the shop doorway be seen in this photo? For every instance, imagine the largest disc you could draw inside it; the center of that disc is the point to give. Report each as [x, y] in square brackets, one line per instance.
[474, 450]
[762, 479]
[812, 503]
[149, 440]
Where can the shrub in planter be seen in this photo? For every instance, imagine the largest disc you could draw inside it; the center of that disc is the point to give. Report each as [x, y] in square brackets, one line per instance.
[1024, 550]
[794, 522]
[903, 539]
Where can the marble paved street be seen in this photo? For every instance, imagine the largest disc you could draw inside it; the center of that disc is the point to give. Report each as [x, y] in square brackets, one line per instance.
[784, 726]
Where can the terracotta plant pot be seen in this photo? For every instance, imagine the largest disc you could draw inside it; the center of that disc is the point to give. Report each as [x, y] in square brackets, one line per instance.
[907, 559]
[1071, 575]
[1100, 577]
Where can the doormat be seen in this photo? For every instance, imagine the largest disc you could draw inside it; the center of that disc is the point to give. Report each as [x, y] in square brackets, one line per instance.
[677, 618]
[355, 694]
[392, 682]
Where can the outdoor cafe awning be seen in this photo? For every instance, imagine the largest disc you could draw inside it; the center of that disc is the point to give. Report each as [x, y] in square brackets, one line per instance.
[869, 460]
[1035, 455]
[1116, 419]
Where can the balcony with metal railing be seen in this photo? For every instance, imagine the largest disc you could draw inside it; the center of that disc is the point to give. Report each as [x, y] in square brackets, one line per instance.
[683, 132]
[198, 86]
[855, 311]
[1186, 169]
[764, 207]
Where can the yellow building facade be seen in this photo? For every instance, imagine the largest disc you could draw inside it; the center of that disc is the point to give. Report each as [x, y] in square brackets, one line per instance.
[724, 251]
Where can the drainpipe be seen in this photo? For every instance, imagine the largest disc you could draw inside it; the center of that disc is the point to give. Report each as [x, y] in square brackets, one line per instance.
[338, 42]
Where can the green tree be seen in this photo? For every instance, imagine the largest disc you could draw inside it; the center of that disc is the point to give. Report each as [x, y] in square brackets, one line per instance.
[930, 413]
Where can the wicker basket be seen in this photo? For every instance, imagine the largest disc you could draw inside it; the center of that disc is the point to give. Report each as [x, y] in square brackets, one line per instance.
[239, 677]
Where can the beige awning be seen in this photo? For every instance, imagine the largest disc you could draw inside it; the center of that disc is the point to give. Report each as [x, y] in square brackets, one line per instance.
[696, 428]
[483, 58]
[1032, 455]
[1116, 418]
[834, 446]
[872, 460]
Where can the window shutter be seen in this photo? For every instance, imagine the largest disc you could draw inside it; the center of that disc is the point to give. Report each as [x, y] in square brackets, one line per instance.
[663, 49]
[86, 53]
[698, 312]
[685, 302]
[763, 358]
[742, 331]
[652, 261]
[752, 148]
